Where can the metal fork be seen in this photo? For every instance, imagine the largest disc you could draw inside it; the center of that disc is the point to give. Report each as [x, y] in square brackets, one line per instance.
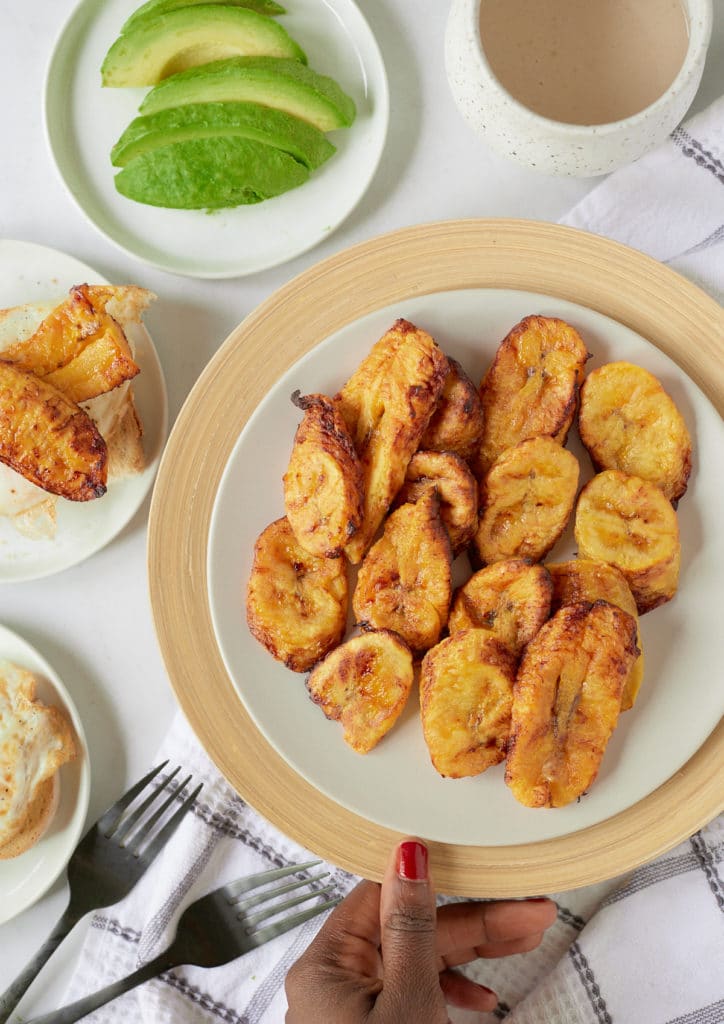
[215, 930]
[106, 865]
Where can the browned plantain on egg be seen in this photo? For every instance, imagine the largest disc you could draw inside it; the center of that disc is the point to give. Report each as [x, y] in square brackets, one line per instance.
[629, 522]
[48, 439]
[531, 388]
[526, 499]
[404, 583]
[323, 482]
[457, 423]
[566, 702]
[466, 695]
[387, 404]
[364, 684]
[296, 603]
[509, 599]
[456, 487]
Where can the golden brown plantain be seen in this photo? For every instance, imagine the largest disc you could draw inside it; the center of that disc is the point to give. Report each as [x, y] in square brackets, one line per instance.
[628, 522]
[47, 439]
[566, 702]
[526, 499]
[530, 390]
[457, 423]
[296, 603]
[628, 422]
[456, 488]
[510, 599]
[582, 579]
[466, 695]
[404, 583]
[387, 404]
[364, 684]
[323, 483]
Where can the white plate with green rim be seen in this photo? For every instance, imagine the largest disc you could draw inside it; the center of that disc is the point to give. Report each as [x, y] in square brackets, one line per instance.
[84, 120]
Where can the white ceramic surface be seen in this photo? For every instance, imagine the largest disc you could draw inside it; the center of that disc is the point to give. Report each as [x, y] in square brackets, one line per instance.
[24, 879]
[225, 243]
[552, 147]
[395, 785]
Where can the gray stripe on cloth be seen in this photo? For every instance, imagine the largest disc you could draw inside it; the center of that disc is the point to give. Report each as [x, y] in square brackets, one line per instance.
[694, 150]
[269, 988]
[708, 866]
[110, 924]
[501, 1010]
[203, 999]
[567, 916]
[706, 243]
[651, 874]
[588, 980]
[712, 1014]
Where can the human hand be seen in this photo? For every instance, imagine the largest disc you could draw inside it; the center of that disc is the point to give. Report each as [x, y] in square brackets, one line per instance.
[385, 955]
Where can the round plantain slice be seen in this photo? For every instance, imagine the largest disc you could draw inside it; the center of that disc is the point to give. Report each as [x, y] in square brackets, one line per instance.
[456, 487]
[510, 599]
[364, 684]
[323, 482]
[457, 423]
[582, 579]
[526, 499]
[566, 702]
[628, 422]
[296, 603]
[629, 523]
[466, 695]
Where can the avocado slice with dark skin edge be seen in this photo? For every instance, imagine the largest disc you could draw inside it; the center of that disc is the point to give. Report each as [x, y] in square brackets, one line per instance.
[154, 7]
[207, 120]
[274, 82]
[163, 45]
[210, 174]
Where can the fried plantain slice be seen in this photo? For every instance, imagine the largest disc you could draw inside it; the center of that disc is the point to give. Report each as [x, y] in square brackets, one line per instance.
[531, 388]
[456, 487]
[323, 482]
[457, 423]
[629, 523]
[566, 702]
[526, 499]
[364, 684]
[466, 695]
[404, 583]
[387, 404]
[47, 439]
[296, 603]
[628, 422]
[582, 579]
[509, 599]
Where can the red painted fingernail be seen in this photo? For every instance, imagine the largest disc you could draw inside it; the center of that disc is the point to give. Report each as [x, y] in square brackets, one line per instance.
[538, 899]
[412, 861]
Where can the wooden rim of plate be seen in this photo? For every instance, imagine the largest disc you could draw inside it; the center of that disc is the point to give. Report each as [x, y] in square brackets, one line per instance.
[563, 262]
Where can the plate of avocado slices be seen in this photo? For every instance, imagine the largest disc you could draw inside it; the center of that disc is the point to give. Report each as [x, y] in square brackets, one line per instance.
[216, 139]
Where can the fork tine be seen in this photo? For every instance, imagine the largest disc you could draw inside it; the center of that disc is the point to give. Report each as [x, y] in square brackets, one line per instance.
[148, 853]
[242, 885]
[242, 905]
[124, 827]
[111, 817]
[278, 908]
[143, 830]
[262, 935]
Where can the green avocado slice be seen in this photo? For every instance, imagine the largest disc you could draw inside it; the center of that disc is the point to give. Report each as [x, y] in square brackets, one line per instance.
[161, 46]
[273, 82]
[207, 120]
[154, 7]
[210, 174]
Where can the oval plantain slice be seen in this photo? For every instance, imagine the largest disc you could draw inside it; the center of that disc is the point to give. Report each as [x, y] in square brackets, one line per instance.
[510, 599]
[629, 523]
[48, 439]
[526, 499]
[323, 482]
[582, 579]
[566, 702]
[404, 583]
[628, 422]
[466, 695]
[456, 487]
[457, 423]
[296, 603]
[531, 388]
[364, 684]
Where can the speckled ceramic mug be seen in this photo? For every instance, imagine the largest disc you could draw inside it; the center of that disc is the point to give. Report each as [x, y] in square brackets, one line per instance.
[553, 147]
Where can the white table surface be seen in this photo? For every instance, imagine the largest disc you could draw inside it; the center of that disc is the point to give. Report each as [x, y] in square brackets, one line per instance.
[433, 168]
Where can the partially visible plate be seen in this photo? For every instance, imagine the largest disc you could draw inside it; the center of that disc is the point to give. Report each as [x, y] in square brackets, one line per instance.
[34, 273]
[24, 879]
[84, 120]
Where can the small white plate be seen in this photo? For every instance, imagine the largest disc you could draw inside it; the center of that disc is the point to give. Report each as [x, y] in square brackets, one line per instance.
[24, 879]
[227, 243]
[34, 273]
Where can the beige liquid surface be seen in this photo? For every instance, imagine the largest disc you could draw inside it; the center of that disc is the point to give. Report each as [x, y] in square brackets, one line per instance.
[584, 61]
